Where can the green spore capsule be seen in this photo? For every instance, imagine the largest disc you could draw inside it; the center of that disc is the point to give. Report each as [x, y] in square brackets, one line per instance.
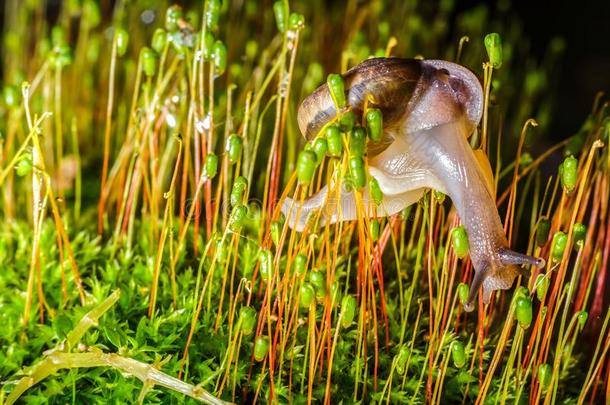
[300, 264]
[210, 168]
[357, 141]
[24, 165]
[347, 121]
[212, 13]
[542, 286]
[121, 39]
[159, 40]
[149, 61]
[337, 90]
[219, 55]
[523, 311]
[281, 15]
[91, 13]
[569, 174]
[238, 216]
[247, 317]
[318, 279]
[458, 354]
[542, 231]
[374, 229]
[238, 189]
[234, 146]
[558, 246]
[266, 262]
[348, 310]
[11, 96]
[463, 291]
[459, 241]
[493, 45]
[296, 21]
[582, 318]
[375, 191]
[401, 359]
[580, 234]
[58, 36]
[320, 147]
[306, 166]
[208, 46]
[173, 15]
[334, 141]
[276, 232]
[374, 124]
[545, 372]
[307, 295]
[261, 347]
[357, 173]
[335, 294]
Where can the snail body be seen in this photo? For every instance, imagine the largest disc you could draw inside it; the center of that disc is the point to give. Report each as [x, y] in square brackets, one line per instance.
[429, 107]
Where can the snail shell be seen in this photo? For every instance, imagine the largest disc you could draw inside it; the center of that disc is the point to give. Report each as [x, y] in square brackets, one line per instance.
[429, 107]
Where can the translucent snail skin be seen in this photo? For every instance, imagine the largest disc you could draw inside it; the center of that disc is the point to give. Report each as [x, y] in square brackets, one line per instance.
[430, 107]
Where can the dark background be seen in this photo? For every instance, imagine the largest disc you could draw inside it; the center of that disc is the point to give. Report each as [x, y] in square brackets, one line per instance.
[585, 67]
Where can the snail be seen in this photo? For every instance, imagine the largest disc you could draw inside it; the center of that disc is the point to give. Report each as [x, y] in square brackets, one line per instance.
[430, 108]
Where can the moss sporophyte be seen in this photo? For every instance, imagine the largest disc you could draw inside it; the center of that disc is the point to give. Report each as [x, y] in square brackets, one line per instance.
[292, 211]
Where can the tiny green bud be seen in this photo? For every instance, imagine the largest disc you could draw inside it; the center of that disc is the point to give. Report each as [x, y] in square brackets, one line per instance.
[348, 310]
[261, 347]
[458, 354]
[337, 90]
[459, 240]
[558, 246]
[266, 262]
[542, 231]
[347, 121]
[307, 295]
[247, 316]
[582, 318]
[159, 40]
[545, 372]
[524, 311]
[580, 234]
[238, 215]
[276, 232]
[234, 147]
[334, 141]
[357, 172]
[219, 55]
[318, 279]
[281, 15]
[493, 44]
[306, 166]
[121, 39]
[375, 191]
[357, 141]
[320, 146]
[374, 229]
[24, 165]
[212, 13]
[296, 21]
[463, 293]
[569, 174]
[238, 189]
[149, 61]
[374, 124]
[11, 96]
[208, 46]
[173, 15]
[211, 166]
[542, 286]
[300, 264]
